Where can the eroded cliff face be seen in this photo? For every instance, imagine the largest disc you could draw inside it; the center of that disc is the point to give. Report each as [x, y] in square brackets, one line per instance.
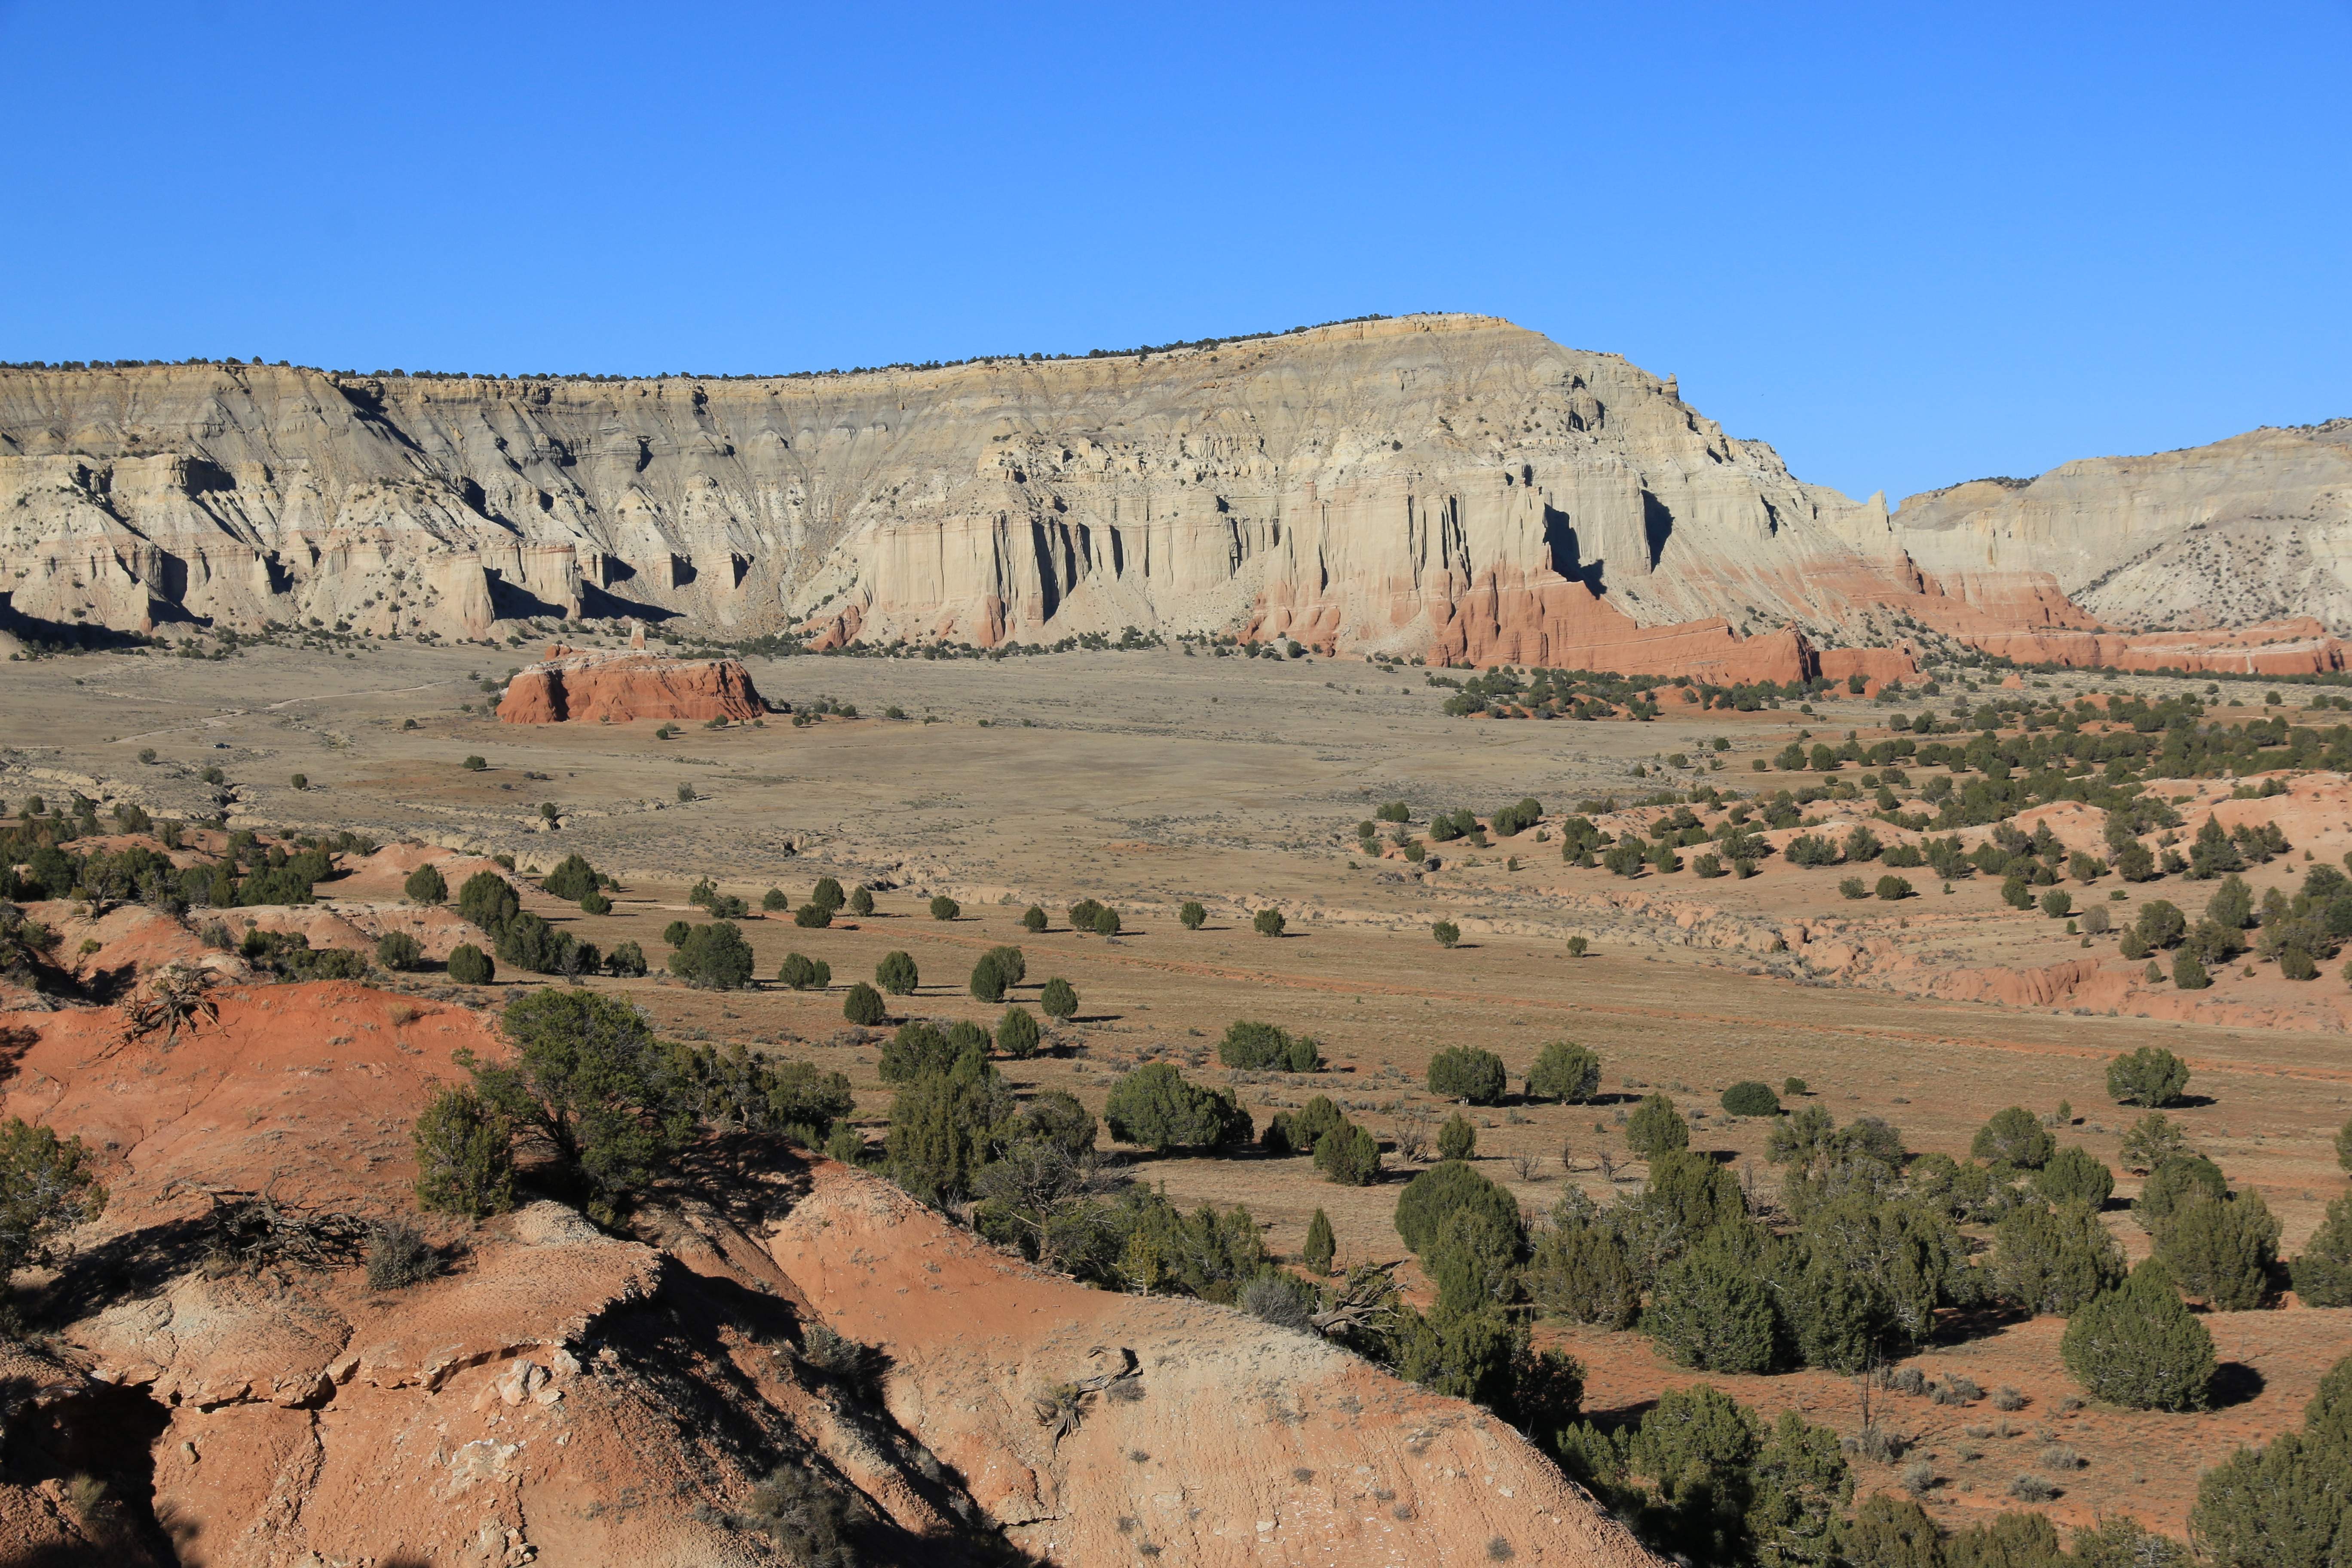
[1447, 485]
[1452, 483]
[2256, 528]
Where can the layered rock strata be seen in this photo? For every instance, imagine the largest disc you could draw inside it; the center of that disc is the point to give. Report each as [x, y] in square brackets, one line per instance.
[1450, 485]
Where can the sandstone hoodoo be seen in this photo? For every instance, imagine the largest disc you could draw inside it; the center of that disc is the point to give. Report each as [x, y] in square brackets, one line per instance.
[1450, 485]
[571, 685]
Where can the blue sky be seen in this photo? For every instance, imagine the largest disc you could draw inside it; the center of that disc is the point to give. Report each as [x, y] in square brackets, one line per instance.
[1907, 245]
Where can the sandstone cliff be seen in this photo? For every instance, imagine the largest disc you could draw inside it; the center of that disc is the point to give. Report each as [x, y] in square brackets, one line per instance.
[1449, 485]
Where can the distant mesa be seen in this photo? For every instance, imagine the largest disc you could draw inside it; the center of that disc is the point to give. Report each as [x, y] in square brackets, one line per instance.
[573, 686]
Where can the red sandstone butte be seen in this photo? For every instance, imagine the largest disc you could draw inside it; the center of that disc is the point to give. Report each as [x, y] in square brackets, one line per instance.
[574, 687]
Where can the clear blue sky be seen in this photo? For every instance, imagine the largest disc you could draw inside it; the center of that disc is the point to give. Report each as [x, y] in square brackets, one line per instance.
[1906, 244]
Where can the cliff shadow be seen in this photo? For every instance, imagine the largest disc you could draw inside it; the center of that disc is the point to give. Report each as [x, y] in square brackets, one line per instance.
[601, 604]
[1567, 557]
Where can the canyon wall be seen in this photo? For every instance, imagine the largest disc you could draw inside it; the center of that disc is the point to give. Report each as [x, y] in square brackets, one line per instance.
[1452, 486]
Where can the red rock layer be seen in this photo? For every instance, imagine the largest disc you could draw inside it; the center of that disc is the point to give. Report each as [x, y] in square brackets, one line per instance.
[618, 687]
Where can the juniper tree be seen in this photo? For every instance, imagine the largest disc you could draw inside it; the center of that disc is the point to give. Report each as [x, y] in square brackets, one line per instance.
[864, 1006]
[1457, 1139]
[1017, 1034]
[896, 975]
[426, 885]
[1320, 1248]
[2138, 1346]
[1655, 1126]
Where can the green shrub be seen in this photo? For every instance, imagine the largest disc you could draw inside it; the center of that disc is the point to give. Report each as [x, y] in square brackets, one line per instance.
[944, 908]
[775, 901]
[2053, 1261]
[46, 1188]
[864, 1007]
[1465, 1072]
[470, 965]
[472, 764]
[489, 901]
[626, 961]
[896, 975]
[1565, 1070]
[946, 1126]
[1106, 922]
[2323, 1275]
[1320, 1247]
[1711, 1309]
[1255, 1047]
[2188, 971]
[2283, 1503]
[987, 980]
[2016, 893]
[1192, 915]
[1155, 1106]
[1016, 1034]
[595, 903]
[2221, 1250]
[916, 1048]
[1853, 888]
[1349, 1155]
[1655, 1126]
[571, 880]
[861, 901]
[426, 885]
[2177, 1180]
[1580, 1270]
[809, 917]
[2149, 1076]
[2057, 903]
[1301, 1134]
[2014, 1137]
[1034, 919]
[714, 957]
[396, 950]
[465, 1156]
[1059, 1000]
[675, 934]
[1446, 933]
[804, 973]
[1810, 849]
[1749, 1097]
[589, 1082]
[2074, 1174]
[2138, 1346]
[827, 894]
[1011, 963]
[1083, 914]
[1457, 1139]
[1268, 922]
[1894, 889]
[1437, 1192]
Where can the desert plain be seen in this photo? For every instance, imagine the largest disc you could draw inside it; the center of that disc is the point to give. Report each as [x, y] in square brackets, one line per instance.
[1147, 778]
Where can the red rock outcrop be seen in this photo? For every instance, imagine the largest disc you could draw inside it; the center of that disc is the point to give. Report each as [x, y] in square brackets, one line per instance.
[567, 1395]
[569, 686]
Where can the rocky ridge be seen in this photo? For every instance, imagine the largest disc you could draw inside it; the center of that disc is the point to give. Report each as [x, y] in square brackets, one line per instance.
[1452, 486]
